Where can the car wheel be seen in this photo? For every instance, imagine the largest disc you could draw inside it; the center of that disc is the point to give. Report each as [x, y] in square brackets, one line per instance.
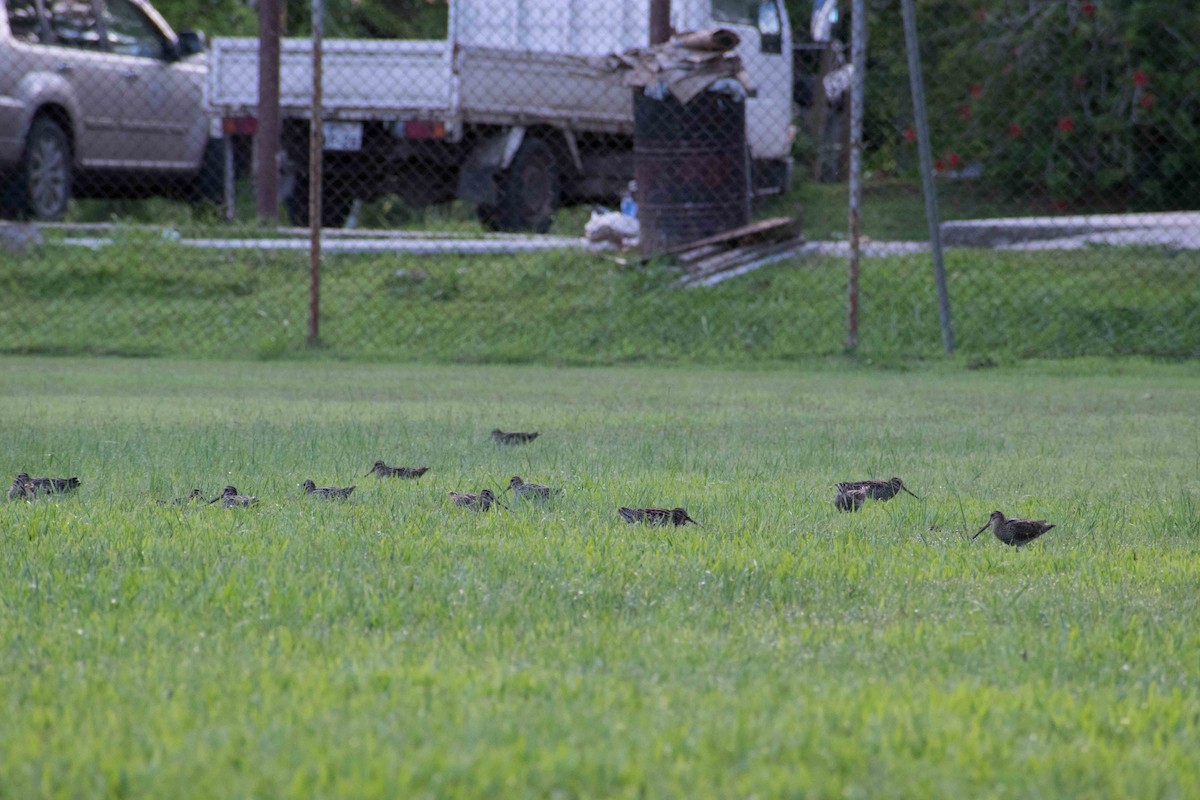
[528, 191]
[209, 184]
[42, 185]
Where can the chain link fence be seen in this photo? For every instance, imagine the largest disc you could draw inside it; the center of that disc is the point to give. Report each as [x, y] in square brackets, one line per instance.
[469, 149]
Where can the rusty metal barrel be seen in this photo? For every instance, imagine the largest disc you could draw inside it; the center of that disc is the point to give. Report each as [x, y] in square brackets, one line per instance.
[691, 166]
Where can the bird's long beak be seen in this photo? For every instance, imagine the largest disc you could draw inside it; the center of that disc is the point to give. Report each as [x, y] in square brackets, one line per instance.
[368, 473]
[981, 530]
[689, 519]
[215, 499]
[905, 488]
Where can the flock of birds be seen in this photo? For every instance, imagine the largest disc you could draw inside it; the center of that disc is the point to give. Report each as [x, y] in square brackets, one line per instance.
[850, 496]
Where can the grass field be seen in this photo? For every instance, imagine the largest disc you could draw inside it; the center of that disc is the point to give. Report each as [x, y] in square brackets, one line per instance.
[144, 295]
[395, 646]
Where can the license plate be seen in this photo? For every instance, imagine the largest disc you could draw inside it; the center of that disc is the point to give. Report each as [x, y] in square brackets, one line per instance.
[342, 135]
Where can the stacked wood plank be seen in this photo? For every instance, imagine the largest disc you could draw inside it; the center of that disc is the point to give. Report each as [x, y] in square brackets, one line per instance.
[736, 251]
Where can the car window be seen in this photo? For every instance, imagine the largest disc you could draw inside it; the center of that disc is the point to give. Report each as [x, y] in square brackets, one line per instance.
[74, 23]
[26, 24]
[130, 31]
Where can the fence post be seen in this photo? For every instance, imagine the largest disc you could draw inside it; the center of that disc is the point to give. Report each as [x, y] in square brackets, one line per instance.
[925, 151]
[858, 59]
[315, 145]
[660, 21]
[266, 138]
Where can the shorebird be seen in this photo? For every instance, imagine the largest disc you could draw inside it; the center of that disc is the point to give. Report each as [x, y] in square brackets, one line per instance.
[850, 499]
[531, 491]
[229, 498]
[190, 497]
[476, 502]
[657, 516]
[22, 488]
[500, 437]
[328, 492]
[382, 470]
[876, 490]
[52, 485]
[1015, 532]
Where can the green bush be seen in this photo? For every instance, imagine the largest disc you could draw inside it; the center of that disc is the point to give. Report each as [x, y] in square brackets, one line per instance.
[1080, 103]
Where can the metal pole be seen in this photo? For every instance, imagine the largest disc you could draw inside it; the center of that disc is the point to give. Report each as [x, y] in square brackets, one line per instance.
[266, 140]
[858, 58]
[925, 151]
[660, 21]
[314, 176]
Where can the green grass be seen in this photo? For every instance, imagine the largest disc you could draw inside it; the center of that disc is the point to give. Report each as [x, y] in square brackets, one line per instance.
[396, 646]
[146, 295]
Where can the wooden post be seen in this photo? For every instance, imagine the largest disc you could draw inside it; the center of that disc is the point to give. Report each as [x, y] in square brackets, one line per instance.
[266, 139]
[660, 21]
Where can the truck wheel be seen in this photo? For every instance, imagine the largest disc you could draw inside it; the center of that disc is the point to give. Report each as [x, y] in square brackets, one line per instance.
[41, 187]
[528, 190]
[336, 203]
[209, 184]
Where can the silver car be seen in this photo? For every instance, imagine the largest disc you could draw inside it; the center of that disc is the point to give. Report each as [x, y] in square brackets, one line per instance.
[98, 98]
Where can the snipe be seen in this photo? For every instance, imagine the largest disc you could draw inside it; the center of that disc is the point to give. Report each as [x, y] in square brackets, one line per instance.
[52, 485]
[1015, 532]
[657, 516]
[483, 501]
[229, 498]
[531, 491]
[382, 470]
[515, 437]
[328, 492]
[876, 490]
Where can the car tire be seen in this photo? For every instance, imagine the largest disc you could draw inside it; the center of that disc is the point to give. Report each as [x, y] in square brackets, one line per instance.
[528, 189]
[41, 187]
[209, 184]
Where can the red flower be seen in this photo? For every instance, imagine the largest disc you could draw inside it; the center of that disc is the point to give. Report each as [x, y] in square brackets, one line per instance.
[1066, 124]
[1147, 101]
[965, 113]
[938, 164]
[981, 14]
[1088, 9]
[1061, 205]
[975, 90]
[954, 161]
[1140, 78]
[1014, 130]
[1078, 81]
[910, 135]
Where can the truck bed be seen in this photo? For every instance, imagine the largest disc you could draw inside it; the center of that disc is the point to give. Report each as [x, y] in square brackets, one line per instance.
[405, 79]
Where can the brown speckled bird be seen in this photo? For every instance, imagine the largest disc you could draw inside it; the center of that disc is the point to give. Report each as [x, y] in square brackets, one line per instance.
[53, 485]
[229, 498]
[656, 516]
[382, 470]
[876, 490]
[531, 491]
[476, 502]
[1015, 532]
[500, 437]
[328, 492]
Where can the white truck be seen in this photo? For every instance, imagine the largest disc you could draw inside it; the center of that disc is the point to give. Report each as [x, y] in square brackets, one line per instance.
[505, 113]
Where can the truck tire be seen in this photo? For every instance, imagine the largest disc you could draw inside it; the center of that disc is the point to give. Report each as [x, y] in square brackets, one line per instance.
[336, 203]
[528, 190]
[41, 186]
